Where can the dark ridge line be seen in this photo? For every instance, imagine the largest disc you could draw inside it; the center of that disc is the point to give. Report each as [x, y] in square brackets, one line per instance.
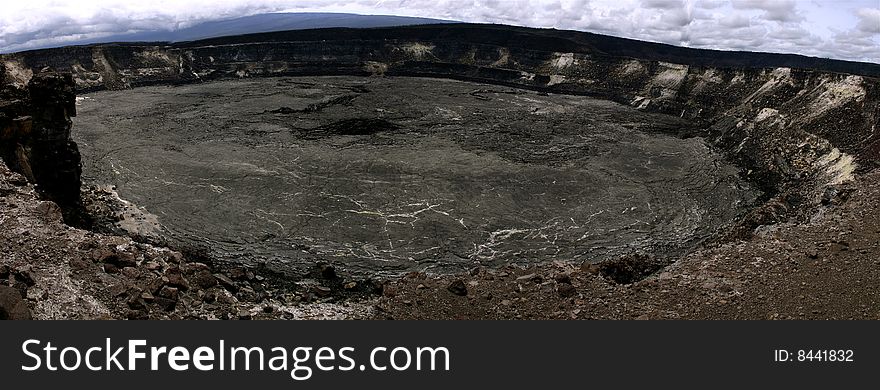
[526, 38]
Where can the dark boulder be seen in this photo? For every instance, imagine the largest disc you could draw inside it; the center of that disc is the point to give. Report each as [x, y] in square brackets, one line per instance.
[458, 288]
[12, 305]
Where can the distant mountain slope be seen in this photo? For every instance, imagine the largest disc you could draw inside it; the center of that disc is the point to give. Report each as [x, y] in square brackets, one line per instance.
[282, 22]
[258, 24]
[564, 41]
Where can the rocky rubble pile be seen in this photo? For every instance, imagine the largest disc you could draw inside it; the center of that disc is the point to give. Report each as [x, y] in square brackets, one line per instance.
[49, 270]
[827, 268]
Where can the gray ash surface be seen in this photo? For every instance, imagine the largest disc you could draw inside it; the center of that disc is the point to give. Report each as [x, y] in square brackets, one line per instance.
[389, 175]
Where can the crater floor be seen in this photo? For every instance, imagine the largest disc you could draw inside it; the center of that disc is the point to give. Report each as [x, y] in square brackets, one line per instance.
[387, 175]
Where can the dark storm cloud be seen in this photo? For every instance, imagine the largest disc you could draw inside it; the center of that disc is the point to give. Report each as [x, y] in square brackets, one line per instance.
[663, 4]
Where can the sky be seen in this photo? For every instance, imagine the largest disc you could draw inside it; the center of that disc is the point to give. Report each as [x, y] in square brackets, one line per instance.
[841, 29]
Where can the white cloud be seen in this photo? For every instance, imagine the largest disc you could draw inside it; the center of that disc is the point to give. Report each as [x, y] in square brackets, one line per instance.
[776, 10]
[710, 4]
[734, 21]
[869, 20]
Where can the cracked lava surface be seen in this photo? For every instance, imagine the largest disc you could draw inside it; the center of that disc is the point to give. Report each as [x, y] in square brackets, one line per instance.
[389, 175]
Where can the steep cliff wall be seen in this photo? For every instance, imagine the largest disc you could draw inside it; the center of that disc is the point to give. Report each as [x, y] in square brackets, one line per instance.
[35, 133]
[800, 134]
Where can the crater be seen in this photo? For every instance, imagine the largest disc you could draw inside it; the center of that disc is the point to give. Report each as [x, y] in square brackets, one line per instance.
[396, 174]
